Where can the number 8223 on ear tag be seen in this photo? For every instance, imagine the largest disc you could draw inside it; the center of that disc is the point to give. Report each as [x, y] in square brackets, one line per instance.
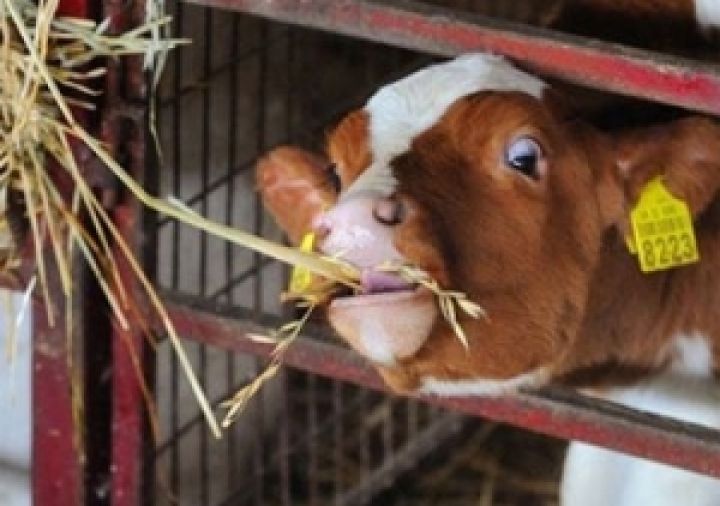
[662, 230]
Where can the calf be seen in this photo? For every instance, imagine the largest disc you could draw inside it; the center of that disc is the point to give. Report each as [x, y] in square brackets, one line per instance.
[469, 170]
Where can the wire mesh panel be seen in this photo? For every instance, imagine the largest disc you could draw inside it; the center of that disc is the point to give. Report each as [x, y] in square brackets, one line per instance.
[242, 87]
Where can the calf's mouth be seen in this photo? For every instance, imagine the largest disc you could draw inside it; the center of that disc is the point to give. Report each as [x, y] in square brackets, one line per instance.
[388, 319]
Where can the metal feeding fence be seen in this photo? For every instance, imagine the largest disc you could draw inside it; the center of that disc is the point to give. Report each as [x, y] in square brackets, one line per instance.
[258, 74]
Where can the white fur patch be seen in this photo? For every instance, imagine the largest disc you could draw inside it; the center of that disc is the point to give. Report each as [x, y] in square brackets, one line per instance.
[401, 111]
[707, 13]
[597, 477]
[686, 391]
[692, 356]
[461, 388]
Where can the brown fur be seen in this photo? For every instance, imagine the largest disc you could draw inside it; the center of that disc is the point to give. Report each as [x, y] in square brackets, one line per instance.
[295, 188]
[547, 258]
[348, 146]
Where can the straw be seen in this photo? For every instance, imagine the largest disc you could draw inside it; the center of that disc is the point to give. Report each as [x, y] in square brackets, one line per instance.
[39, 54]
[282, 338]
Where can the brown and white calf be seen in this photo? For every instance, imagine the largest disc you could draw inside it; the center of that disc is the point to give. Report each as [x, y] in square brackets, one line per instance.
[469, 171]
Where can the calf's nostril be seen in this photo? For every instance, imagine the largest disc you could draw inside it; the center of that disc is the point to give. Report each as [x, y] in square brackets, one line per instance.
[388, 211]
[321, 226]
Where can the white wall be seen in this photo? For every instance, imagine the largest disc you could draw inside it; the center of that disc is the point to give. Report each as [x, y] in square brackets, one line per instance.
[15, 422]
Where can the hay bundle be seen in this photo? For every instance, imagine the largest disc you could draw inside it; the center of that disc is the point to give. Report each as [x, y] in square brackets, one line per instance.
[48, 64]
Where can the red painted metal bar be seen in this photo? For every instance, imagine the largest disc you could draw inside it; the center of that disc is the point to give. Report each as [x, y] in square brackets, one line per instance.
[124, 129]
[57, 454]
[127, 429]
[556, 413]
[611, 67]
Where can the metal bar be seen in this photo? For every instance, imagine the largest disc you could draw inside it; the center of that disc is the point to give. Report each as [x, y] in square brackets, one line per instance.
[205, 146]
[56, 446]
[257, 308]
[232, 127]
[56, 456]
[285, 443]
[365, 438]
[412, 418]
[238, 280]
[125, 87]
[387, 431]
[404, 459]
[128, 423]
[620, 69]
[338, 438]
[177, 113]
[260, 145]
[259, 465]
[551, 412]
[311, 440]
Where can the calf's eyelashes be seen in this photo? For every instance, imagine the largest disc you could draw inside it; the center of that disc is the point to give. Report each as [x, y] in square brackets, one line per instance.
[389, 211]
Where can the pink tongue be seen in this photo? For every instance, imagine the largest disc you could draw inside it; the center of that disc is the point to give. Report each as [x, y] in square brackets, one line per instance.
[379, 282]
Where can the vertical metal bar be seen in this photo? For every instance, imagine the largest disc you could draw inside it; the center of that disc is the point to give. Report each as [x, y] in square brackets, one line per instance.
[177, 128]
[312, 439]
[365, 435]
[57, 470]
[128, 403]
[387, 430]
[204, 207]
[285, 498]
[259, 449]
[177, 114]
[257, 303]
[260, 145]
[412, 418]
[125, 88]
[285, 424]
[56, 456]
[230, 363]
[290, 84]
[338, 456]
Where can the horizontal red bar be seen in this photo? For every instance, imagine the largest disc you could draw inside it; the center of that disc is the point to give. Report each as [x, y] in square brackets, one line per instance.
[557, 413]
[643, 74]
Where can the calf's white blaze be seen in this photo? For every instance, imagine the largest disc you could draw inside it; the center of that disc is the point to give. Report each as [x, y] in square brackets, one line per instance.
[402, 110]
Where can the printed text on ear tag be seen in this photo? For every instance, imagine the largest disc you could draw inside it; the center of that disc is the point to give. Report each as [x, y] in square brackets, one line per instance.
[663, 235]
[301, 277]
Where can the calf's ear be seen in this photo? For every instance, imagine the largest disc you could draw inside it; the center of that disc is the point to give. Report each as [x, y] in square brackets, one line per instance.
[294, 187]
[686, 153]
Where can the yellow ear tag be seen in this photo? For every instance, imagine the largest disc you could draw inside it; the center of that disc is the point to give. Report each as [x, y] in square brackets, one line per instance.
[301, 277]
[663, 236]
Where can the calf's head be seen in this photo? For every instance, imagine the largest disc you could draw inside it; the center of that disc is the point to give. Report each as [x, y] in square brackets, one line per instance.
[464, 170]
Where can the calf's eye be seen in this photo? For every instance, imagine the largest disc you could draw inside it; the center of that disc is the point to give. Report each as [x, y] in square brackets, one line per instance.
[525, 155]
